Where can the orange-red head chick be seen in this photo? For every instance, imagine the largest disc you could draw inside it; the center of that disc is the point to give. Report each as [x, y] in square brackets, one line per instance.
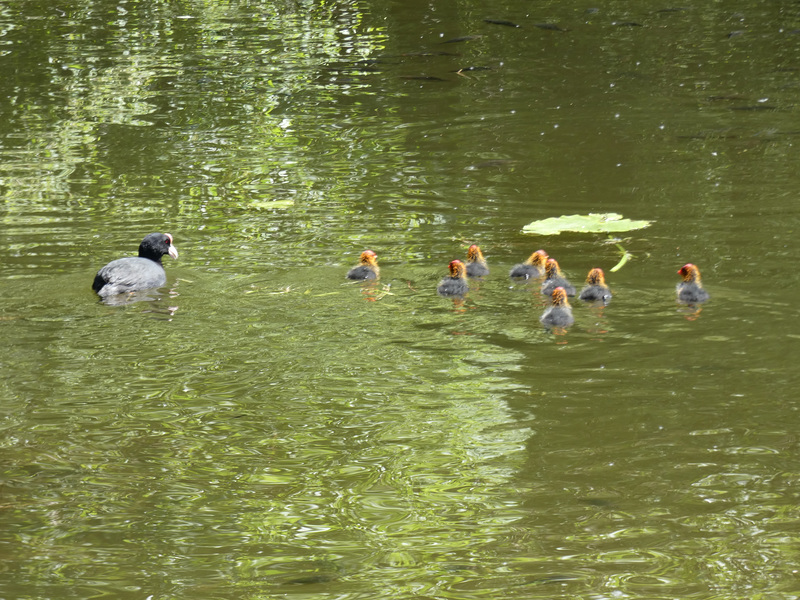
[559, 314]
[532, 267]
[476, 263]
[554, 278]
[690, 290]
[456, 284]
[596, 288]
[367, 267]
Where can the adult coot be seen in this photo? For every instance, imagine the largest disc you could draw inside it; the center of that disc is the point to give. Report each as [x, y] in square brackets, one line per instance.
[559, 314]
[476, 264]
[456, 284]
[690, 290]
[136, 273]
[596, 288]
[554, 278]
[533, 267]
[367, 267]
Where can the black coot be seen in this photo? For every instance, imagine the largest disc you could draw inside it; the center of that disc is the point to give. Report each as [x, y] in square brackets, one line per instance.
[136, 273]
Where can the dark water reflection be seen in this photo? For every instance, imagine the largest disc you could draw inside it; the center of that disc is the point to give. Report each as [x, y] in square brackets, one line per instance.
[262, 427]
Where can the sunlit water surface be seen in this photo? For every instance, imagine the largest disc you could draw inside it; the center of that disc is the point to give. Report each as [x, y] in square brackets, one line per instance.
[261, 427]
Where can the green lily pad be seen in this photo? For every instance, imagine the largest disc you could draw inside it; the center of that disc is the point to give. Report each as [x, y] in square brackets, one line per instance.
[591, 223]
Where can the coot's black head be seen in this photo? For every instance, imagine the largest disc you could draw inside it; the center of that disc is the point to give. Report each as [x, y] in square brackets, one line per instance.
[156, 245]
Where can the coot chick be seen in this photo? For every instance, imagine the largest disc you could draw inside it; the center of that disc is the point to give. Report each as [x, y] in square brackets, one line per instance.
[533, 267]
[690, 290]
[367, 267]
[554, 278]
[456, 284]
[559, 314]
[476, 264]
[596, 288]
[136, 272]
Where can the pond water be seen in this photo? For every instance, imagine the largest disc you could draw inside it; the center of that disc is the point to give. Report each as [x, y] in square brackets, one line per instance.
[262, 427]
